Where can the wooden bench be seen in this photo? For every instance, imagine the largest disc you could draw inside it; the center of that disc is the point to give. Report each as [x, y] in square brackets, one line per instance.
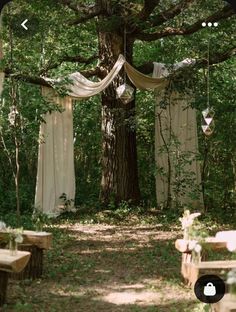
[10, 264]
[35, 243]
[184, 246]
[218, 268]
[227, 304]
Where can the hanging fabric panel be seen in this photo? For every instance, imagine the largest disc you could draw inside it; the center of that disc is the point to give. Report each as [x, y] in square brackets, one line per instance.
[56, 156]
[56, 175]
[176, 146]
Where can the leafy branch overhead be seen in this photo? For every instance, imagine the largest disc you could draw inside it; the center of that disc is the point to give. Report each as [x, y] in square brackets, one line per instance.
[145, 21]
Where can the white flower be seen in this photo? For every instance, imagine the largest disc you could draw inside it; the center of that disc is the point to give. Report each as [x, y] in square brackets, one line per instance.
[15, 234]
[19, 238]
[231, 245]
[232, 273]
[192, 245]
[198, 248]
[231, 277]
[231, 280]
[2, 226]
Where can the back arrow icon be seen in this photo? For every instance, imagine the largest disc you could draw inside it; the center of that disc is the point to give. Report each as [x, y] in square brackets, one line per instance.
[23, 24]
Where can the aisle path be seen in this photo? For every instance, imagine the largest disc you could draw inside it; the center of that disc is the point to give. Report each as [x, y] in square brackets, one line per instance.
[113, 269]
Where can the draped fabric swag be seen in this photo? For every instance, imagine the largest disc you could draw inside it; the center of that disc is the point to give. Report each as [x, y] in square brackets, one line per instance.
[55, 174]
[55, 186]
[176, 146]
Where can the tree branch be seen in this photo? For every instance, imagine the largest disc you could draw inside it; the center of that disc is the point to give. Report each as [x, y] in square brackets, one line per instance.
[40, 81]
[91, 72]
[69, 4]
[27, 78]
[149, 6]
[68, 58]
[217, 58]
[226, 12]
[87, 14]
[147, 68]
[85, 11]
[170, 13]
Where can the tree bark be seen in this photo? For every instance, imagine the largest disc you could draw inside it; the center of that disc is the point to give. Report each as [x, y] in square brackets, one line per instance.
[119, 152]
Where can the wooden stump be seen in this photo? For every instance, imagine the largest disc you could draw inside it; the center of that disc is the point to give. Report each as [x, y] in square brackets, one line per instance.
[34, 268]
[3, 287]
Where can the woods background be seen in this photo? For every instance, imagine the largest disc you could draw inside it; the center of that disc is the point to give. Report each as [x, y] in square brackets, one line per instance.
[67, 36]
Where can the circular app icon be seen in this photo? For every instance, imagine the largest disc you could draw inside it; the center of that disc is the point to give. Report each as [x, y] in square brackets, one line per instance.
[209, 288]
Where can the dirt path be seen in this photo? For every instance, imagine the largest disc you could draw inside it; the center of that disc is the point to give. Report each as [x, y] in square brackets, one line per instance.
[108, 269]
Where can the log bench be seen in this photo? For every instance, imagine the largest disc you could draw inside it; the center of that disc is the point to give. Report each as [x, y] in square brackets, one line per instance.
[10, 264]
[219, 268]
[227, 304]
[34, 243]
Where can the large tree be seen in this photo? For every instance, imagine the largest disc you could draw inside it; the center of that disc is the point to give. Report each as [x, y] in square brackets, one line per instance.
[109, 28]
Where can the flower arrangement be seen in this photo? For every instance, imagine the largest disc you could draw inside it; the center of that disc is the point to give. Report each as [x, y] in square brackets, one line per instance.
[14, 237]
[231, 281]
[39, 219]
[195, 232]
[187, 222]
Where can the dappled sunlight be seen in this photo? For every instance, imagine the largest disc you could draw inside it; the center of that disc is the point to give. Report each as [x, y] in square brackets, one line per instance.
[107, 233]
[112, 269]
[140, 294]
[131, 296]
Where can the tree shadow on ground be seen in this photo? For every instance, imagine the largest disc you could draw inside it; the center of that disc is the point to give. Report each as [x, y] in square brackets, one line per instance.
[91, 303]
[108, 269]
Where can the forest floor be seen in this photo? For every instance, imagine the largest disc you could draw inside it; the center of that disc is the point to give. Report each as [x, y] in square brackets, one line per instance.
[107, 268]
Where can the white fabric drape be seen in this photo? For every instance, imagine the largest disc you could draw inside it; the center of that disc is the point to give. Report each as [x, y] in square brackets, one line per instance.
[55, 174]
[80, 87]
[142, 81]
[56, 154]
[176, 143]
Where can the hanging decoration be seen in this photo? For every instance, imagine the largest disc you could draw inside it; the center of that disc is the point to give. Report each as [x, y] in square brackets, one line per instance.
[125, 92]
[208, 124]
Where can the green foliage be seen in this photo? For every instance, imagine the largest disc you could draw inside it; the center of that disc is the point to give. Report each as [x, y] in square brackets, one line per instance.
[44, 57]
[198, 231]
[39, 219]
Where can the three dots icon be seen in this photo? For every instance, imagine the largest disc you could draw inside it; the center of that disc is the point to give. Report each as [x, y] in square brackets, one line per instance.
[209, 24]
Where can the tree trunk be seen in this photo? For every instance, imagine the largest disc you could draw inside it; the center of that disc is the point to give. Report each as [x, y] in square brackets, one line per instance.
[119, 152]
